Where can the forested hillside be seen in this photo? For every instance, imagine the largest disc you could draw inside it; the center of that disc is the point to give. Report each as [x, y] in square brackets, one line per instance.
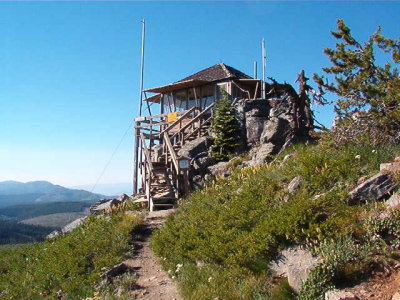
[12, 232]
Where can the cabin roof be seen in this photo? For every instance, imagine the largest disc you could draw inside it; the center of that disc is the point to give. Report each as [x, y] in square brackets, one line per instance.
[214, 73]
[217, 72]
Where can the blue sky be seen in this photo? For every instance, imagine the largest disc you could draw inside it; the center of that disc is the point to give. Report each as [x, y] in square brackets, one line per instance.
[69, 74]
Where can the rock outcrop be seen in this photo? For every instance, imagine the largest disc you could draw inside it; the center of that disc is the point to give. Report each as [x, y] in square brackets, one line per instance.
[295, 264]
[372, 189]
[74, 224]
[106, 205]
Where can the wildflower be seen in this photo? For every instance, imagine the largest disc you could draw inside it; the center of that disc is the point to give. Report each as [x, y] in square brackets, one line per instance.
[169, 271]
[173, 277]
[209, 279]
[374, 151]
[358, 156]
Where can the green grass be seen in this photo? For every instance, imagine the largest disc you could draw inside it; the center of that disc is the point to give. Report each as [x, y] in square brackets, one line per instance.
[71, 263]
[236, 226]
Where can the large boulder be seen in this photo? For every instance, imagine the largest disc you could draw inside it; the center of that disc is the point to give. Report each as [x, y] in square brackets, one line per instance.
[193, 148]
[295, 264]
[222, 169]
[254, 129]
[104, 206]
[276, 131]
[202, 163]
[261, 154]
[253, 114]
[372, 189]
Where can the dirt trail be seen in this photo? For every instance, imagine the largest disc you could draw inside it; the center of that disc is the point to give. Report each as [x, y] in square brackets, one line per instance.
[152, 283]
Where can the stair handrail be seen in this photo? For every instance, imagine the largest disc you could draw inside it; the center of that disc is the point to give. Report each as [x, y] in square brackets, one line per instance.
[202, 113]
[171, 151]
[198, 129]
[178, 121]
[146, 152]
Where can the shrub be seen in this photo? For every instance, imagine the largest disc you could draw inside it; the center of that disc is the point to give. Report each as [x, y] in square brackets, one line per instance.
[225, 129]
[238, 223]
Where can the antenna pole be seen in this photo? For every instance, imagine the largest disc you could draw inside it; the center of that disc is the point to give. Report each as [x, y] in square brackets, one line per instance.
[137, 131]
[264, 62]
[142, 67]
[255, 70]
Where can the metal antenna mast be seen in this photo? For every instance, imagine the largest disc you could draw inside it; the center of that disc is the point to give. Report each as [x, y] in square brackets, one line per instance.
[137, 140]
[264, 63]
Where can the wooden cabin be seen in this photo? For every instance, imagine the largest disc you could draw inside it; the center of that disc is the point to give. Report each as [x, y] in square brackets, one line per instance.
[183, 113]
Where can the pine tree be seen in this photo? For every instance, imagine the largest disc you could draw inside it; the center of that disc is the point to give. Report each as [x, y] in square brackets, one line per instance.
[360, 83]
[225, 129]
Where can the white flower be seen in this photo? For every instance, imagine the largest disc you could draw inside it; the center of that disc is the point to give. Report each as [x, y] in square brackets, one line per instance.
[169, 271]
[209, 279]
[357, 156]
[373, 151]
[173, 277]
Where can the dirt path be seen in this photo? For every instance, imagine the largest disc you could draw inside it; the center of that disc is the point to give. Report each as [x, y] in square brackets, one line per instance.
[152, 283]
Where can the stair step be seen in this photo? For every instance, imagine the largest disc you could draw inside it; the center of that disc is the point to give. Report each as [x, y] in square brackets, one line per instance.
[163, 205]
[164, 198]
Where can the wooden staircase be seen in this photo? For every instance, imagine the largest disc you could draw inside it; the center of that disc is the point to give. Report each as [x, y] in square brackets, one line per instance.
[164, 178]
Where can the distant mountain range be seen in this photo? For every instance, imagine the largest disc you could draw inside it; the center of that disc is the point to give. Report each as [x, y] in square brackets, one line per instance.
[14, 192]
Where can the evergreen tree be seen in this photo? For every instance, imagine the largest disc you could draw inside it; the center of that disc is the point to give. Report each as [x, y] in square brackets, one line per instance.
[225, 129]
[360, 83]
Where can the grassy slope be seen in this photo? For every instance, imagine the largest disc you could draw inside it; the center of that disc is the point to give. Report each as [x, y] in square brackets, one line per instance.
[233, 228]
[70, 263]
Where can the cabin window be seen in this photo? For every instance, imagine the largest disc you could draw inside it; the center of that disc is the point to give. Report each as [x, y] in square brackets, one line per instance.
[208, 95]
[180, 100]
[168, 104]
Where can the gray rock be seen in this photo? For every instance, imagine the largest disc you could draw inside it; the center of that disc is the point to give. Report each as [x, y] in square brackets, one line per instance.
[372, 189]
[221, 169]
[198, 182]
[340, 295]
[123, 198]
[276, 131]
[254, 129]
[193, 148]
[202, 163]
[104, 206]
[287, 157]
[53, 234]
[263, 153]
[295, 264]
[295, 184]
[393, 201]
[391, 167]
[74, 224]
[115, 271]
